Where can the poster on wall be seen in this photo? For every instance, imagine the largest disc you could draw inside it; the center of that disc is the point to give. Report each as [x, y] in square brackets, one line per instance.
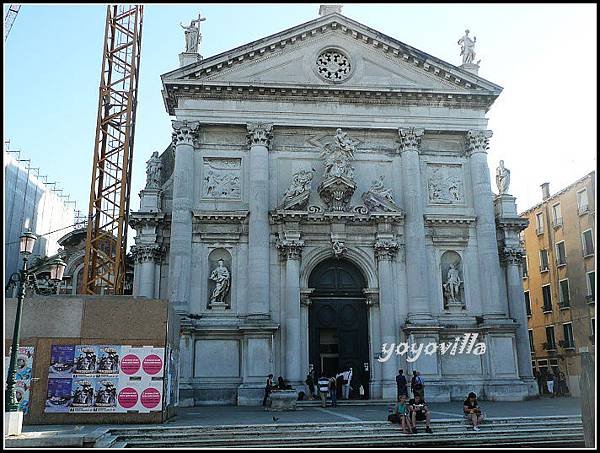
[23, 373]
[105, 378]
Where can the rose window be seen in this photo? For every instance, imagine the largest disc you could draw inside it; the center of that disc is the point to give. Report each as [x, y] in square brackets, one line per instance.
[333, 65]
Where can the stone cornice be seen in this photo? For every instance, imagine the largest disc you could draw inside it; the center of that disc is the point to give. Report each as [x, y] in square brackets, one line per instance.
[294, 93]
[220, 216]
[447, 219]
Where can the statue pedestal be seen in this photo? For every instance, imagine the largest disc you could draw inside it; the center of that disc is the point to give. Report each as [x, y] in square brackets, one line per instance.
[471, 67]
[282, 400]
[187, 58]
[505, 205]
[150, 200]
[218, 306]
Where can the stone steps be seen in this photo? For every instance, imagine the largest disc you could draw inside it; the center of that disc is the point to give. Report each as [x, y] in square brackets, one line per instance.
[549, 431]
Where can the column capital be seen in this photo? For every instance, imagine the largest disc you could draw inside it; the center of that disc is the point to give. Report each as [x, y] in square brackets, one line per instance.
[305, 297]
[511, 255]
[478, 141]
[290, 250]
[371, 297]
[259, 134]
[143, 253]
[410, 138]
[185, 132]
[385, 249]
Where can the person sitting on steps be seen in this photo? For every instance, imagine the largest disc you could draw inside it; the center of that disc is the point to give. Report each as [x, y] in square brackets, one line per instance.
[419, 411]
[472, 411]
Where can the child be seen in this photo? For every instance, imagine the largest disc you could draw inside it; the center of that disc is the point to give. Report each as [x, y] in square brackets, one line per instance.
[402, 411]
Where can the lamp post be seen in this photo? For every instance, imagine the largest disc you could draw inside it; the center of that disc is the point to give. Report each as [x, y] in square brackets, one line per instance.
[13, 417]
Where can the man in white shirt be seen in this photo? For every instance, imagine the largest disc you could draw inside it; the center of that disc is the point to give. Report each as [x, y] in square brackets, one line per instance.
[347, 375]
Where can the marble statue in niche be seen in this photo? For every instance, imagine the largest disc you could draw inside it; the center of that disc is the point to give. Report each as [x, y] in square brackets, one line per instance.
[502, 178]
[452, 282]
[444, 184]
[222, 178]
[220, 275]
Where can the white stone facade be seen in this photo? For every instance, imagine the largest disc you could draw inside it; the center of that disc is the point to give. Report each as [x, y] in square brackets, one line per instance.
[247, 123]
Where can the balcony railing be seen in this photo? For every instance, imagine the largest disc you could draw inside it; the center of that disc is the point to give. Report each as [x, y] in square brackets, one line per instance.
[557, 222]
[539, 230]
[544, 268]
[563, 305]
[547, 308]
[566, 344]
[583, 209]
[588, 250]
[561, 261]
[549, 346]
[590, 298]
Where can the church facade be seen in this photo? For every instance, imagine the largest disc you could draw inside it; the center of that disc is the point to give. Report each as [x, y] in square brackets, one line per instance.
[326, 195]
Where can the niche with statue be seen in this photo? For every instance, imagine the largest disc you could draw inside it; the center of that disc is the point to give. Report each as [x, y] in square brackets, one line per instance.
[452, 280]
[219, 280]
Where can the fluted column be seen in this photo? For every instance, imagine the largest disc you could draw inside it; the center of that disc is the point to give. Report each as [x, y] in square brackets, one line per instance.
[414, 227]
[145, 257]
[180, 252]
[291, 251]
[259, 138]
[487, 246]
[385, 250]
[512, 258]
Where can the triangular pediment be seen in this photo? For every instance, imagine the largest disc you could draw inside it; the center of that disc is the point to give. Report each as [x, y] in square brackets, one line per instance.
[290, 59]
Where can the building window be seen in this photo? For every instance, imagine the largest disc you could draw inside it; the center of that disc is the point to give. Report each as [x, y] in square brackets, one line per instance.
[556, 216]
[554, 366]
[550, 343]
[561, 255]
[569, 342]
[588, 243]
[543, 260]
[564, 297]
[527, 303]
[582, 201]
[539, 220]
[531, 346]
[591, 286]
[547, 298]
[525, 269]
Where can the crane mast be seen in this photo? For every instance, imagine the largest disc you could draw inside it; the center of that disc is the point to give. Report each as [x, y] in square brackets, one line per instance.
[106, 243]
[9, 19]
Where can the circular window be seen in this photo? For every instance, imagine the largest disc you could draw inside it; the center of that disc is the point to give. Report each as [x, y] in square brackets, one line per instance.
[333, 65]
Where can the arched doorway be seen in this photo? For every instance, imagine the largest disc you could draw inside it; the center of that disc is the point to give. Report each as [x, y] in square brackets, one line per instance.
[337, 322]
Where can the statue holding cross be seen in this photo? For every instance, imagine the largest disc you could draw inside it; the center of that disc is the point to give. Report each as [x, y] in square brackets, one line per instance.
[193, 37]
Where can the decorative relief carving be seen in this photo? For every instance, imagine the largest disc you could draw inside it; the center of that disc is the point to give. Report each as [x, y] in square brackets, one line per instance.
[339, 248]
[371, 297]
[259, 134]
[333, 65]
[478, 141]
[410, 138]
[444, 184]
[385, 249]
[379, 198]
[338, 184]
[290, 249]
[298, 193]
[222, 178]
[185, 132]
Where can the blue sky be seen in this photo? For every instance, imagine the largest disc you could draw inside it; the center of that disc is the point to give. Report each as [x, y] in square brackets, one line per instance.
[544, 56]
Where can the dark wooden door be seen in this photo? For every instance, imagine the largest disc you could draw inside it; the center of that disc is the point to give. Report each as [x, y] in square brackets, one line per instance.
[338, 304]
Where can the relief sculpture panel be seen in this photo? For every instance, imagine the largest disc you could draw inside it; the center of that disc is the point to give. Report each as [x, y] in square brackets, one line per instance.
[222, 178]
[445, 184]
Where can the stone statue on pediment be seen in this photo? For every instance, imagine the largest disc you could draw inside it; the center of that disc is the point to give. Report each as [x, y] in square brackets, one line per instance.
[378, 188]
[153, 169]
[298, 193]
[193, 37]
[467, 50]
[502, 178]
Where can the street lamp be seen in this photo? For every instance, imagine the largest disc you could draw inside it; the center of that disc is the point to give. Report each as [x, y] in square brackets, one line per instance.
[23, 278]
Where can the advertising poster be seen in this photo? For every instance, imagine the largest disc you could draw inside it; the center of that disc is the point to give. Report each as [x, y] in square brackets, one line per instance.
[82, 394]
[108, 360]
[62, 360]
[58, 397]
[86, 360]
[24, 367]
[105, 395]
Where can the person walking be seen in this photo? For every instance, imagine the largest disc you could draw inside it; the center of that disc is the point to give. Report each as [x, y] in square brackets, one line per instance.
[346, 383]
[310, 384]
[401, 384]
[323, 388]
[538, 378]
[268, 389]
[550, 383]
[332, 391]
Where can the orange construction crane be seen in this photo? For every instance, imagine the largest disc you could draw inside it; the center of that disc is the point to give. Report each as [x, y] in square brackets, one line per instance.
[9, 19]
[106, 244]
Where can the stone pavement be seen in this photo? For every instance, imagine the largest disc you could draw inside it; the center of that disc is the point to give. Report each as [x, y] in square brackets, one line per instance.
[244, 415]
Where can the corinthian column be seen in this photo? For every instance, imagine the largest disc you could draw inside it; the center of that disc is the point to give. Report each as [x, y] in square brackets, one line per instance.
[180, 252]
[385, 251]
[291, 251]
[145, 257]
[487, 246]
[259, 140]
[414, 227]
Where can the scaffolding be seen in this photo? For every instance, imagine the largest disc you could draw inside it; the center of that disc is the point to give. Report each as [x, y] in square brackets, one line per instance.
[9, 19]
[106, 242]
